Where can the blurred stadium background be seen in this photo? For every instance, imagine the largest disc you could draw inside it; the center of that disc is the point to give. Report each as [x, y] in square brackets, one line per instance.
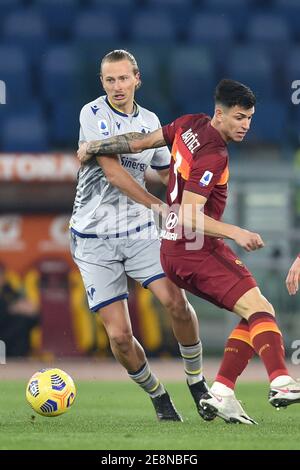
[50, 52]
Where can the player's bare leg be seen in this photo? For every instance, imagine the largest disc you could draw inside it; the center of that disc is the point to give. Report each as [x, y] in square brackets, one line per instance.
[183, 316]
[185, 326]
[252, 302]
[125, 347]
[130, 354]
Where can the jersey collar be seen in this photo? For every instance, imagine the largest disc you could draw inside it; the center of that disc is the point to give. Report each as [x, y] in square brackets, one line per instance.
[120, 113]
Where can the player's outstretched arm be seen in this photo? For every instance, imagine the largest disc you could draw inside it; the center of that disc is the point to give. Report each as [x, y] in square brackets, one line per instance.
[192, 215]
[292, 280]
[133, 142]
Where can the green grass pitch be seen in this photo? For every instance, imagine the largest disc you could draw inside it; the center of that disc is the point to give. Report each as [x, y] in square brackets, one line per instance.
[118, 415]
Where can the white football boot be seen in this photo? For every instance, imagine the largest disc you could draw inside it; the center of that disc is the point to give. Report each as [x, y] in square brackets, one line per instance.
[226, 407]
[285, 395]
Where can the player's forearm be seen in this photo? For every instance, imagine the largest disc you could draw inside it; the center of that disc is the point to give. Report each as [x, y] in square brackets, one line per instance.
[138, 194]
[127, 143]
[133, 142]
[249, 241]
[215, 228]
[122, 180]
[202, 223]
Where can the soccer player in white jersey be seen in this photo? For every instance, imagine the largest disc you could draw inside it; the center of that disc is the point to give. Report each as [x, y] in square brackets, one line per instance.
[113, 235]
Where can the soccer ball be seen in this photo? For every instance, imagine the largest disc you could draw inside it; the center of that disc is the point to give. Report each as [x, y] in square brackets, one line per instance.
[50, 392]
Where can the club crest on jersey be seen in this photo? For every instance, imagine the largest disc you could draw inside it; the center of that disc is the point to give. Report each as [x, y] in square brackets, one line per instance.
[206, 178]
[239, 262]
[103, 127]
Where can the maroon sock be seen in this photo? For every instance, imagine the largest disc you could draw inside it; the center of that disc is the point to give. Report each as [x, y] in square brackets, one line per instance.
[237, 353]
[267, 342]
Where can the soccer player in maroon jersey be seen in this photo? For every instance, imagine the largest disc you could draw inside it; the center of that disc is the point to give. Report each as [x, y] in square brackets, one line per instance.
[198, 178]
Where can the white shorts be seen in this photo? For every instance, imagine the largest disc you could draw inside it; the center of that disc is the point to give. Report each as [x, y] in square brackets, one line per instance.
[104, 264]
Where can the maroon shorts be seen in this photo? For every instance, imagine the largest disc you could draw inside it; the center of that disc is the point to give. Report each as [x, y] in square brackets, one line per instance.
[217, 275]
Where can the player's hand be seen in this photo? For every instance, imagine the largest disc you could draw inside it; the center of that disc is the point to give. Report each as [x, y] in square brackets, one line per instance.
[82, 153]
[292, 280]
[248, 240]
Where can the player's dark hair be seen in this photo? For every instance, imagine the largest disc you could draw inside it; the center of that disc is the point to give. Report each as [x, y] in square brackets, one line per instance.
[231, 93]
[121, 54]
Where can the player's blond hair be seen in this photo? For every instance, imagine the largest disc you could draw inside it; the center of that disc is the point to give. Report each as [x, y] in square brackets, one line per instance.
[121, 54]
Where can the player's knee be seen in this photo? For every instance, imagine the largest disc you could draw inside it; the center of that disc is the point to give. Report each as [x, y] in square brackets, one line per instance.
[121, 340]
[178, 308]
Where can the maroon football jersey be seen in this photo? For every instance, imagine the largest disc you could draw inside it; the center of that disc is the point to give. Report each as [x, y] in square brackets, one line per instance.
[199, 164]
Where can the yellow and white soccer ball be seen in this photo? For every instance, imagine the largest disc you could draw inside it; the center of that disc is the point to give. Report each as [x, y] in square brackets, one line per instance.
[50, 392]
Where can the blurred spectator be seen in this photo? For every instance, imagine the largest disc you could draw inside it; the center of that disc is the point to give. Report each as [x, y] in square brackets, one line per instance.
[17, 317]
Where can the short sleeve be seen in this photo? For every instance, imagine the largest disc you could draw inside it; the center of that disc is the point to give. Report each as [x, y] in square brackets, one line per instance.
[206, 172]
[93, 126]
[162, 157]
